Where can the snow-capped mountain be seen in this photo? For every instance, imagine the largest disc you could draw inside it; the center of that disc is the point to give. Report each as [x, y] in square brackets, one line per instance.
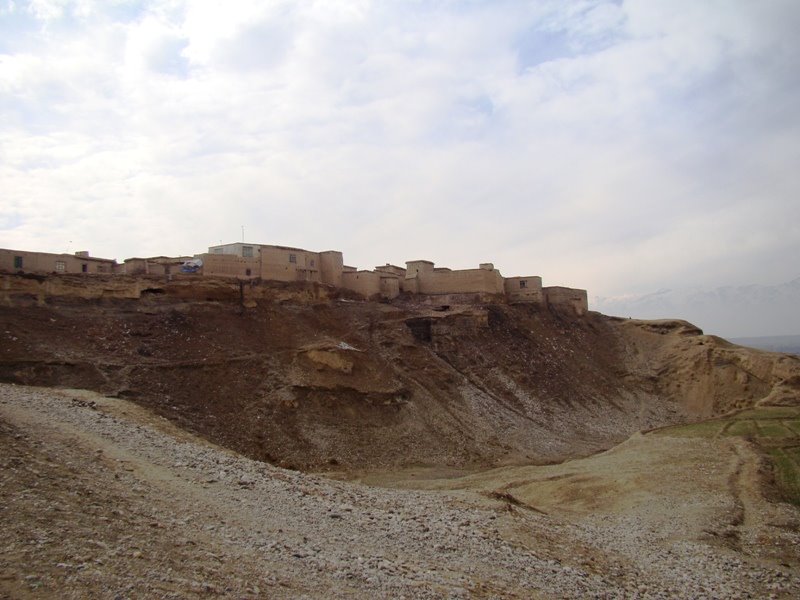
[729, 311]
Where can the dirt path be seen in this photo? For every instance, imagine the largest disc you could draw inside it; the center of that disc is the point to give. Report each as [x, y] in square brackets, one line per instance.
[99, 498]
[669, 506]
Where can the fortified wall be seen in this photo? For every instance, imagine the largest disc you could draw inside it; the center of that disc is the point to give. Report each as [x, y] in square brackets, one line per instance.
[447, 286]
[422, 278]
[243, 261]
[563, 297]
[371, 283]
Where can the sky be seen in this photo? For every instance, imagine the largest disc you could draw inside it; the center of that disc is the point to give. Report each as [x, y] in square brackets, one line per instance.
[619, 146]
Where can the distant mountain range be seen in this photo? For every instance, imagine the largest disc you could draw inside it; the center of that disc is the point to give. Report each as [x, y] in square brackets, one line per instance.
[776, 343]
[747, 311]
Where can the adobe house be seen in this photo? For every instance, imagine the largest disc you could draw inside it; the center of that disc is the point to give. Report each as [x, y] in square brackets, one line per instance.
[423, 278]
[21, 261]
[485, 283]
[283, 263]
[155, 265]
[278, 263]
[524, 289]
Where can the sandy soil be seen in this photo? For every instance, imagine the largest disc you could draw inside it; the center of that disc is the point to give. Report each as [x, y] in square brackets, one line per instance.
[99, 498]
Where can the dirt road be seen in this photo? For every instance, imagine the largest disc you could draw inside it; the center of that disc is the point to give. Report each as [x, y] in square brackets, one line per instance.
[99, 498]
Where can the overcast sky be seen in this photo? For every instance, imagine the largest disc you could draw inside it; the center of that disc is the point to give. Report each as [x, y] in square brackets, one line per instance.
[621, 147]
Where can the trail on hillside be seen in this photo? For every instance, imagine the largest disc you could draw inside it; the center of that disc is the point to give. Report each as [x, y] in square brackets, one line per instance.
[102, 498]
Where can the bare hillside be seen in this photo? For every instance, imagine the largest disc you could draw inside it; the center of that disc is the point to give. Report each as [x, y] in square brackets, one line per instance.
[301, 377]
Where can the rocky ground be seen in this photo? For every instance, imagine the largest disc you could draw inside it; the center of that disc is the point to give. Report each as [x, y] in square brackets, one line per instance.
[100, 498]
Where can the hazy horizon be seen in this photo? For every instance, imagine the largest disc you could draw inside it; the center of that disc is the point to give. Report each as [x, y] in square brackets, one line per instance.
[746, 311]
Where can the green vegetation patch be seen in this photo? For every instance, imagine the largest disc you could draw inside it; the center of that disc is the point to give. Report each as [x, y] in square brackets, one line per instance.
[794, 425]
[769, 412]
[773, 429]
[742, 428]
[786, 463]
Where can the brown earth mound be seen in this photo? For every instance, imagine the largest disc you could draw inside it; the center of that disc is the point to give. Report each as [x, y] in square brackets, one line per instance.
[297, 375]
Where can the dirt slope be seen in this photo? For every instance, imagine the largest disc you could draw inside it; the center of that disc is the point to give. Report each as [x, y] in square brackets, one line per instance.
[298, 376]
[706, 374]
[102, 499]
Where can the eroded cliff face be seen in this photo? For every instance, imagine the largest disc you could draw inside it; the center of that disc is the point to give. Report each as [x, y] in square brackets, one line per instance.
[706, 375]
[296, 375]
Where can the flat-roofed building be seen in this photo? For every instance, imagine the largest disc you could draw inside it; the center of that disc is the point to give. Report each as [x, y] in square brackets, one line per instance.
[23, 261]
[277, 263]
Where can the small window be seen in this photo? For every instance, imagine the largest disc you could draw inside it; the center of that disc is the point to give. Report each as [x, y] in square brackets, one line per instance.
[523, 283]
[84, 268]
[247, 251]
[61, 266]
[247, 272]
[293, 258]
[312, 263]
[218, 250]
[17, 262]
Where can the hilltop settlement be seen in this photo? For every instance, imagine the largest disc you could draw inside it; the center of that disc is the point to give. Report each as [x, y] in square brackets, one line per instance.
[251, 262]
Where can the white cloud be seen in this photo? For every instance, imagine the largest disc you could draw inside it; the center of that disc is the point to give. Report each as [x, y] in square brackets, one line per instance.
[155, 47]
[48, 9]
[618, 146]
